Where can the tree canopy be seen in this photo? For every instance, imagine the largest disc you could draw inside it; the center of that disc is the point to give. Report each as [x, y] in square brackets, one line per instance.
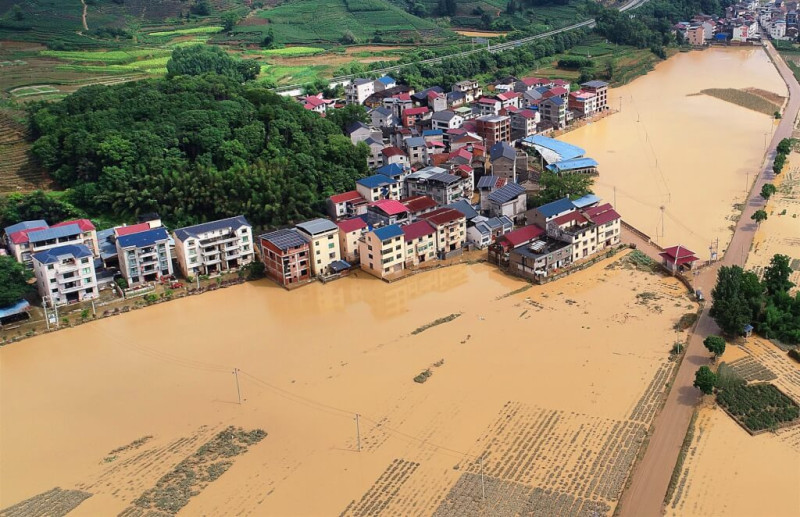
[194, 148]
[202, 59]
[556, 186]
[13, 281]
[705, 380]
[36, 205]
[738, 297]
[715, 345]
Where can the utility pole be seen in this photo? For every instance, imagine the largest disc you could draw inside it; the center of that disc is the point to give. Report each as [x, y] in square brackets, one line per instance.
[358, 432]
[46, 318]
[94, 311]
[238, 391]
[662, 220]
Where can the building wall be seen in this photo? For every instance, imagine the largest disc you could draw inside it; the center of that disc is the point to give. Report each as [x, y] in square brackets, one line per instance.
[505, 168]
[324, 250]
[192, 260]
[374, 194]
[54, 283]
[526, 266]
[133, 262]
[381, 258]
[451, 236]
[296, 259]
[348, 245]
[421, 249]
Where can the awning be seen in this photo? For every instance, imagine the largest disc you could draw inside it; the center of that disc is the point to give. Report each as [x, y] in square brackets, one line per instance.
[12, 310]
[338, 266]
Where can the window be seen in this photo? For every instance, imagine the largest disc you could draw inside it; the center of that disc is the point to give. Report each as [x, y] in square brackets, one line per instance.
[84, 261]
[86, 270]
[190, 242]
[330, 237]
[330, 245]
[50, 267]
[52, 280]
[245, 238]
[397, 247]
[317, 252]
[332, 256]
[369, 247]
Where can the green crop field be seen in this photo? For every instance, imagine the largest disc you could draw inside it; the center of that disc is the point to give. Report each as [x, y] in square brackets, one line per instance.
[293, 51]
[206, 29]
[292, 74]
[328, 21]
[111, 56]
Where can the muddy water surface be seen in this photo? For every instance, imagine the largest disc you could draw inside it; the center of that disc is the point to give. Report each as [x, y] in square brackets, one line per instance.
[692, 154]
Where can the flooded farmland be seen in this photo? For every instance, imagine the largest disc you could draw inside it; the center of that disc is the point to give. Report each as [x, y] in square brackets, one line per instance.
[672, 147]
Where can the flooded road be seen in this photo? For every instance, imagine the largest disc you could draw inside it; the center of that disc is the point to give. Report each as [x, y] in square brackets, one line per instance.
[694, 155]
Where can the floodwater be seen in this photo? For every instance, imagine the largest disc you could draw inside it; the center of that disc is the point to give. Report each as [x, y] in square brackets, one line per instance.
[693, 155]
[311, 359]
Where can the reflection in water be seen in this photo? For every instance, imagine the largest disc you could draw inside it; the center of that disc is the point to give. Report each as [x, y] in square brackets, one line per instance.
[675, 162]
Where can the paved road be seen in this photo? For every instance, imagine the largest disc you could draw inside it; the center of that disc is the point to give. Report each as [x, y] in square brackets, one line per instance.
[645, 495]
[344, 79]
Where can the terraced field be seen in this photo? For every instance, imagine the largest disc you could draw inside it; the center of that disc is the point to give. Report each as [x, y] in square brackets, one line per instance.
[18, 171]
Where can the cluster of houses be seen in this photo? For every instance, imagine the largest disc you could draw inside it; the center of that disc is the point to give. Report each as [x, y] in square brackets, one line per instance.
[72, 261]
[741, 24]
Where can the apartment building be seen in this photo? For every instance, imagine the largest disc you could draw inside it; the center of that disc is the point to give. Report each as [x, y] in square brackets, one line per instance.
[213, 247]
[600, 89]
[357, 91]
[493, 129]
[378, 186]
[25, 242]
[323, 238]
[451, 230]
[65, 274]
[470, 88]
[350, 232]
[144, 256]
[583, 102]
[420, 242]
[554, 111]
[286, 254]
[382, 251]
[435, 183]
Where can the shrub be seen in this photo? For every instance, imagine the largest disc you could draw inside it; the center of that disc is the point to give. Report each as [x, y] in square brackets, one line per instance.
[758, 406]
[422, 377]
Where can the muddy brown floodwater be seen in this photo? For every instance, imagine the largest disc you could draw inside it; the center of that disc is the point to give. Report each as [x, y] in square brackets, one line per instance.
[692, 154]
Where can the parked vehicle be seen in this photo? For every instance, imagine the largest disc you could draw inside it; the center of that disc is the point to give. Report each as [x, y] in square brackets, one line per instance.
[699, 295]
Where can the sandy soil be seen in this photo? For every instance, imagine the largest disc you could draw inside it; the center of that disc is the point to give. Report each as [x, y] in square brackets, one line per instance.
[553, 386]
[780, 233]
[693, 155]
[762, 475]
[480, 34]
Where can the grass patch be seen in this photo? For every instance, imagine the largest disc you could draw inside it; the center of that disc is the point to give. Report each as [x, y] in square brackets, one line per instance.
[757, 407]
[206, 29]
[102, 56]
[173, 491]
[686, 321]
[293, 51]
[434, 323]
[744, 99]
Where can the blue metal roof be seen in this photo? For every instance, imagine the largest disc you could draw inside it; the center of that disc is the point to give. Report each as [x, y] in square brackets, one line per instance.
[375, 181]
[556, 207]
[388, 232]
[572, 164]
[502, 149]
[416, 141]
[108, 248]
[564, 150]
[222, 224]
[506, 193]
[55, 232]
[338, 266]
[54, 255]
[391, 170]
[141, 239]
[558, 101]
[25, 225]
[386, 80]
[433, 132]
[463, 206]
[18, 308]
[588, 199]
[487, 181]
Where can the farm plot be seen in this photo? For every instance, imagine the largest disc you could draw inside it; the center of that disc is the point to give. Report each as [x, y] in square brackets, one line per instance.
[55, 502]
[19, 172]
[207, 29]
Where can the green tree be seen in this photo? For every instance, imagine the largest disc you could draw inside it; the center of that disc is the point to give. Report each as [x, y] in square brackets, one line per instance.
[767, 190]
[738, 299]
[715, 345]
[202, 59]
[705, 380]
[348, 115]
[229, 20]
[776, 275]
[556, 186]
[759, 216]
[201, 8]
[13, 281]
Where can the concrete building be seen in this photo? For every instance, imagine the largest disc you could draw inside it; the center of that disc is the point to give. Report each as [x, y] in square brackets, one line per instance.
[144, 256]
[451, 231]
[470, 88]
[509, 201]
[65, 274]
[24, 242]
[418, 205]
[350, 232]
[384, 83]
[503, 161]
[435, 183]
[583, 103]
[695, 35]
[347, 204]
[387, 211]
[357, 91]
[554, 111]
[488, 106]
[420, 243]
[323, 238]
[608, 222]
[540, 258]
[542, 215]
[378, 186]
[600, 89]
[574, 166]
[445, 120]
[493, 129]
[286, 256]
[485, 230]
[523, 122]
[213, 247]
[382, 251]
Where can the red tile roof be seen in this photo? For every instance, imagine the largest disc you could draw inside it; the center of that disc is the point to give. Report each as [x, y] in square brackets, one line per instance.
[526, 114]
[402, 96]
[461, 153]
[416, 230]
[133, 228]
[571, 218]
[507, 96]
[352, 225]
[560, 82]
[679, 254]
[522, 235]
[602, 214]
[392, 151]
[22, 235]
[442, 216]
[557, 91]
[415, 111]
[84, 224]
[390, 206]
[533, 81]
[418, 203]
[352, 195]
[487, 100]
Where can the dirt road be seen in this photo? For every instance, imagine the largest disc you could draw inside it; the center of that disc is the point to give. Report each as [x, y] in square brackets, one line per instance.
[650, 479]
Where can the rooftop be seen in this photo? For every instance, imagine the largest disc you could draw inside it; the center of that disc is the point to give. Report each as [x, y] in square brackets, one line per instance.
[375, 181]
[55, 232]
[542, 246]
[352, 195]
[146, 238]
[352, 225]
[285, 239]
[416, 230]
[25, 225]
[507, 193]
[211, 226]
[588, 199]
[595, 84]
[556, 207]
[390, 206]
[388, 232]
[679, 253]
[502, 149]
[553, 150]
[415, 141]
[415, 111]
[84, 224]
[418, 203]
[572, 164]
[386, 80]
[523, 235]
[59, 253]
[602, 214]
[317, 226]
[442, 216]
[132, 228]
[491, 182]
[391, 170]
[463, 206]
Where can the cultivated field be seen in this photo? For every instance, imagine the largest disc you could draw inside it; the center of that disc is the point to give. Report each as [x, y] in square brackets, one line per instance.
[549, 391]
[18, 171]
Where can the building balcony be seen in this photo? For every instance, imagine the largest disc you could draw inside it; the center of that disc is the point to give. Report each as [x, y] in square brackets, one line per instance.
[231, 246]
[211, 262]
[220, 239]
[210, 253]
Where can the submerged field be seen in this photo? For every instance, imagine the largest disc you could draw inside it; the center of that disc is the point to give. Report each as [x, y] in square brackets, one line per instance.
[553, 387]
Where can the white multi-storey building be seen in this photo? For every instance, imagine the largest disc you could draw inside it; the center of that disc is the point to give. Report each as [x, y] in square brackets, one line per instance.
[144, 256]
[65, 274]
[216, 246]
